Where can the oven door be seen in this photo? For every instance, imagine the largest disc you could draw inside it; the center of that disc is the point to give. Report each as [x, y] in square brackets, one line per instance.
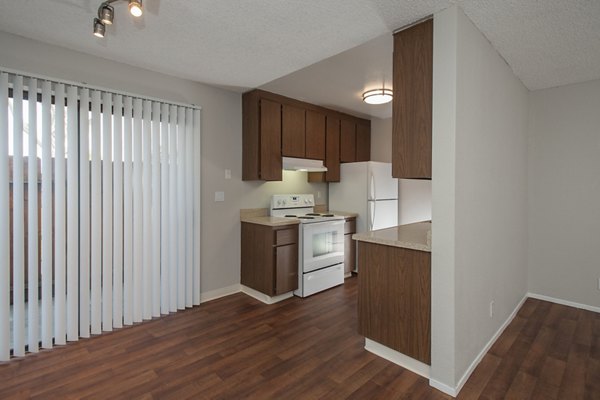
[323, 244]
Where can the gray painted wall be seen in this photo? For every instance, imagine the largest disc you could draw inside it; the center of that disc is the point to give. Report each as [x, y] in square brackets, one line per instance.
[221, 142]
[479, 202]
[564, 193]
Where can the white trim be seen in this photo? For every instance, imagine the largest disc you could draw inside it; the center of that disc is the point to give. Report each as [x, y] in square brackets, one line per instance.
[564, 302]
[92, 87]
[481, 354]
[218, 293]
[442, 387]
[398, 358]
[263, 297]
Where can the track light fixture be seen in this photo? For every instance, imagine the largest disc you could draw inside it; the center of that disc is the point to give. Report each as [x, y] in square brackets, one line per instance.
[135, 7]
[106, 15]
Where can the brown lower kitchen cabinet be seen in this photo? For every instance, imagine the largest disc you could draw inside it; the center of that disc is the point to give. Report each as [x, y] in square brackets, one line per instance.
[270, 258]
[349, 246]
[394, 298]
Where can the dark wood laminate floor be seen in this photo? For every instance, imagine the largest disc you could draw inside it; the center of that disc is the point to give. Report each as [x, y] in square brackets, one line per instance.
[237, 347]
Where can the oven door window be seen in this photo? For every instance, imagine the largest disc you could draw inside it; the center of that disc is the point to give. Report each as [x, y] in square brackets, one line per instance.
[323, 245]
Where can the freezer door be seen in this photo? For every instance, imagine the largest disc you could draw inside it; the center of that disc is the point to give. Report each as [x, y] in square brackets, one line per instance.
[382, 214]
[381, 184]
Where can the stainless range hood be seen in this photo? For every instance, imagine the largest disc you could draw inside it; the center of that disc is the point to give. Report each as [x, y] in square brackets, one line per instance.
[303, 164]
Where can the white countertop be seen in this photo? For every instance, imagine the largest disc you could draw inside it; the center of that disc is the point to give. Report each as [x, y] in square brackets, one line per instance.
[415, 236]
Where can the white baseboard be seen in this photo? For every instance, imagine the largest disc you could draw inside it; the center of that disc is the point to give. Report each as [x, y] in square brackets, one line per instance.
[454, 391]
[442, 387]
[564, 302]
[218, 293]
[398, 358]
[263, 297]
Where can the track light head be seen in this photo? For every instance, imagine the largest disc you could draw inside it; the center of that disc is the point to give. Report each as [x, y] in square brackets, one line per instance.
[135, 7]
[106, 14]
[99, 28]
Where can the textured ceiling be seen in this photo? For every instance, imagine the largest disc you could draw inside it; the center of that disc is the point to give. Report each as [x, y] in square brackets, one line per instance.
[245, 44]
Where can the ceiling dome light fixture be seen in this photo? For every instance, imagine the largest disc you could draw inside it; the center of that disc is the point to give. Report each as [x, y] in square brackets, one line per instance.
[106, 15]
[135, 8]
[378, 96]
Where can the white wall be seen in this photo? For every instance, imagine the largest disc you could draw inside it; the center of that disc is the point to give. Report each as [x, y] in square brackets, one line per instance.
[489, 185]
[221, 142]
[564, 193]
[381, 139]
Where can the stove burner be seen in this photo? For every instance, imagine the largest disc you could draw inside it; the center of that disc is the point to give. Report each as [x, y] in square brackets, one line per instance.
[290, 215]
[315, 214]
[304, 217]
[327, 215]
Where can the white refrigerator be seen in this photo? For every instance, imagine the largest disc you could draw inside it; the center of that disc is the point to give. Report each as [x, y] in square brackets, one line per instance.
[367, 188]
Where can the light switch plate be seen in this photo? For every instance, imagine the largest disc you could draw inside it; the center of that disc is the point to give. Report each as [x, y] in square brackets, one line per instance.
[227, 174]
[219, 196]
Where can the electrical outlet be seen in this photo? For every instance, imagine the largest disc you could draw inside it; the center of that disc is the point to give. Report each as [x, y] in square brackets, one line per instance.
[318, 194]
[227, 174]
[492, 309]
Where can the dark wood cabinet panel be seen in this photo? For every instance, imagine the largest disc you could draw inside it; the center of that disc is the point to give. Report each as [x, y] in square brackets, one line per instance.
[250, 136]
[347, 141]
[274, 126]
[270, 140]
[332, 149]
[257, 258]
[394, 298]
[315, 135]
[269, 258]
[349, 254]
[286, 271]
[332, 153]
[363, 142]
[293, 130]
[412, 104]
[349, 245]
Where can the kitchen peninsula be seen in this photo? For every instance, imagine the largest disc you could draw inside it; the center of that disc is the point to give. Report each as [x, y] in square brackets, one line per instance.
[394, 294]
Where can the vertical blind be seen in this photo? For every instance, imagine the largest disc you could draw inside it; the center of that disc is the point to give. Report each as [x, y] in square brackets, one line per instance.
[99, 211]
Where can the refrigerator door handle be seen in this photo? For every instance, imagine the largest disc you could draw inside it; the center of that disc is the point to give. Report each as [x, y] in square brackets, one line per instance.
[371, 216]
[372, 188]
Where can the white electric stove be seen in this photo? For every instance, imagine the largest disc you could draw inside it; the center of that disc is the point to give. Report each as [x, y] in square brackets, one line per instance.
[321, 242]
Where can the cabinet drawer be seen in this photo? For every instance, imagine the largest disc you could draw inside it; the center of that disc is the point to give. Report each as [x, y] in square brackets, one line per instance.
[350, 226]
[286, 236]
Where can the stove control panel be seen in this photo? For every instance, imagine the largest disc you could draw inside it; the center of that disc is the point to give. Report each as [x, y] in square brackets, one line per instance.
[286, 201]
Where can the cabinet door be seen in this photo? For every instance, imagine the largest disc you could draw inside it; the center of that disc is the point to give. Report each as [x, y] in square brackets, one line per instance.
[270, 140]
[349, 254]
[412, 104]
[363, 142]
[286, 268]
[332, 149]
[257, 262]
[292, 131]
[347, 141]
[315, 135]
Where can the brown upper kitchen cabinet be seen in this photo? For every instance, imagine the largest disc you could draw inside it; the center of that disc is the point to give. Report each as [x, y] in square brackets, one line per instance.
[293, 128]
[275, 126]
[315, 135]
[363, 142]
[261, 138]
[412, 104]
[332, 153]
[347, 141]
